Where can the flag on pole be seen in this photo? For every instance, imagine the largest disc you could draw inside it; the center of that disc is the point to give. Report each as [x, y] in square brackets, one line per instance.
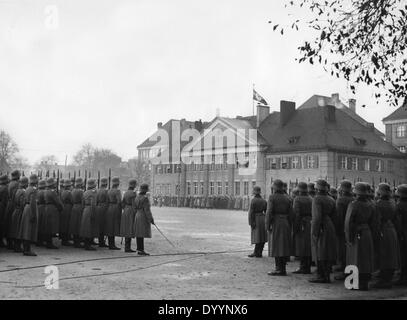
[259, 98]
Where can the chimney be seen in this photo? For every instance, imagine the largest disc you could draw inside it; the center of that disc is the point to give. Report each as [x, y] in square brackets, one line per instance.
[330, 113]
[262, 113]
[335, 99]
[370, 126]
[198, 125]
[287, 109]
[352, 105]
[159, 125]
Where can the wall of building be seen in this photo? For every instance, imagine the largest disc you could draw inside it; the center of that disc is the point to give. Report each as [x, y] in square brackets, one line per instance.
[395, 137]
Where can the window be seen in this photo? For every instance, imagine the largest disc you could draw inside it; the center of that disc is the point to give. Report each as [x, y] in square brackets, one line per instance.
[364, 165]
[284, 162]
[195, 187]
[390, 166]
[219, 187]
[177, 188]
[188, 188]
[401, 131]
[237, 188]
[354, 163]
[342, 162]
[202, 187]
[213, 159]
[274, 163]
[245, 188]
[379, 165]
[402, 149]
[168, 168]
[312, 162]
[226, 187]
[211, 188]
[296, 162]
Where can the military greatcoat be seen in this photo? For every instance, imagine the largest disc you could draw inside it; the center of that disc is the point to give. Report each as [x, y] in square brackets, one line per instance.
[102, 202]
[88, 220]
[128, 215]
[53, 209]
[28, 227]
[113, 213]
[67, 201]
[402, 217]
[144, 217]
[41, 211]
[76, 213]
[3, 204]
[12, 189]
[302, 206]
[342, 204]
[279, 219]
[257, 220]
[323, 231]
[15, 221]
[360, 225]
[389, 254]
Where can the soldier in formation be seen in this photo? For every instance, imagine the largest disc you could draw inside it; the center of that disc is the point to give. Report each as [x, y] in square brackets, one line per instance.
[257, 222]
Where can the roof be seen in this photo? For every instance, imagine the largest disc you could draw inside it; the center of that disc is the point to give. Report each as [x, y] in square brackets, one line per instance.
[320, 100]
[399, 114]
[308, 128]
[167, 127]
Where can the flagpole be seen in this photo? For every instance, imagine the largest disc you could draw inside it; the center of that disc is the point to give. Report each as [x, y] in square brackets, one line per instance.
[253, 99]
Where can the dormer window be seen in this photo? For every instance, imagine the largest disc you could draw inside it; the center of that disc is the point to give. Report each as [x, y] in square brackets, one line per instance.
[359, 141]
[293, 140]
[401, 131]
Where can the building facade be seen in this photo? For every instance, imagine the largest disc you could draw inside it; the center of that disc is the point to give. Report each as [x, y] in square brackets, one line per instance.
[323, 138]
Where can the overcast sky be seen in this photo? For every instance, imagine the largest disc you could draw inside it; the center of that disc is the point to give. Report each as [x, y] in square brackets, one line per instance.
[108, 71]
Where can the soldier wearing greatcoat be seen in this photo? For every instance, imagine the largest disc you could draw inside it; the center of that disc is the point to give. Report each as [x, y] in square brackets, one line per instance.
[360, 226]
[311, 189]
[3, 204]
[15, 221]
[88, 221]
[344, 199]
[323, 233]
[388, 245]
[41, 212]
[302, 207]
[102, 201]
[127, 220]
[76, 212]
[28, 228]
[113, 213]
[279, 220]
[402, 217]
[257, 222]
[12, 189]
[67, 201]
[333, 193]
[53, 209]
[143, 220]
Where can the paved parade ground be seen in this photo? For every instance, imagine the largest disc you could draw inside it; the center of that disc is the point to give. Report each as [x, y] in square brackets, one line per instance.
[209, 262]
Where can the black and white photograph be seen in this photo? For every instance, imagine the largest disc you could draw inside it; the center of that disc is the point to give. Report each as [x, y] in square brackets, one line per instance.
[217, 151]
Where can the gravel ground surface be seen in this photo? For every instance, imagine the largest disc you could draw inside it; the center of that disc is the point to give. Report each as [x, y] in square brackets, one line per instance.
[209, 262]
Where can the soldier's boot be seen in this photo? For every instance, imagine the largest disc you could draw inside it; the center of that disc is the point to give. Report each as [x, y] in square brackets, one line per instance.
[402, 281]
[259, 250]
[320, 278]
[112, 245]
[17, 246]
[140, 247]
[49, 244]
[279, 268]
[88, 245]
[10, 244]
[384, 281]
[127, 245]
[27, 249]
[65, 241]
[76, 242]
[102, 242]
[327, 272]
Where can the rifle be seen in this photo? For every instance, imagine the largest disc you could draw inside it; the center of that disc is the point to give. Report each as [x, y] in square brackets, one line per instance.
[110, 176]
[58, 181]
[98, 179]
[86, 179]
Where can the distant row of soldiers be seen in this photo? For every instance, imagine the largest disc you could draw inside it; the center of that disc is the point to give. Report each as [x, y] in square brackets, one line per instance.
[327, 227]
[33, 211]
[204, 202]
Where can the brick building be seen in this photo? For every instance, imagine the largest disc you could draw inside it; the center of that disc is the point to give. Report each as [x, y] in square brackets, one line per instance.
[323, 138]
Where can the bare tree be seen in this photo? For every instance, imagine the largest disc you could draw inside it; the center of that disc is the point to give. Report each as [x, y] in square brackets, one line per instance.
[363, 41]
[8, 152]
